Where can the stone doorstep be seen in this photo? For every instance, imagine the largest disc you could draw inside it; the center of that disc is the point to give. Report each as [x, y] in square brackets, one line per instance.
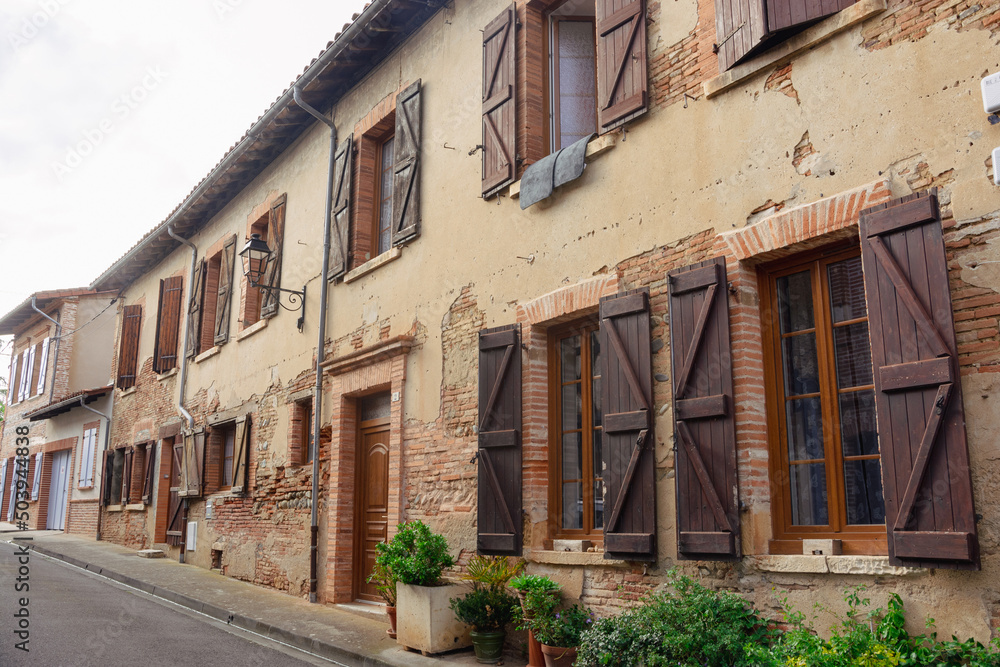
[150, 553]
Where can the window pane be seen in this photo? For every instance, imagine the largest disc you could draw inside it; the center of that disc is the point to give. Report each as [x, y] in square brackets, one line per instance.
[577, 81]
[863, 483]
[375, 407]
[847, 290]
[572, 502]
[570, 357]
[572, 408]
[227, 459]
[795, 305]
[805, 428]
[854, 355]
[595, 369]
[858, 433]
[800, 364]
[808, 494]
[572, 456]
[598, 504]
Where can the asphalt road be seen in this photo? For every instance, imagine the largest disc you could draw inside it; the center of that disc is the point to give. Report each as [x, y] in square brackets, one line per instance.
[76, 619]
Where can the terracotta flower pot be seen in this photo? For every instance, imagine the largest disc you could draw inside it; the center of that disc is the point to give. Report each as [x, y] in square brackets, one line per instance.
[557, 656]
[488, 646]
[391, 613]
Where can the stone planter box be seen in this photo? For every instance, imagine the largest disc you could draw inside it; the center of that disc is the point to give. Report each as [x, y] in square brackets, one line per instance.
[425, 622]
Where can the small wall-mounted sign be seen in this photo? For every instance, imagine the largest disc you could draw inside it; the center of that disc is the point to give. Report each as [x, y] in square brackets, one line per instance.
[395, 394]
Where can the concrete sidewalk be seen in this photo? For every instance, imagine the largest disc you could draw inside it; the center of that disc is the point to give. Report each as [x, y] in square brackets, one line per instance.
[329, 631]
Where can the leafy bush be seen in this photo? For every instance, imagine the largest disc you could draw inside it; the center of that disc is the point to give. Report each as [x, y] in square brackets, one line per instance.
[487, 609]
[415, 555]
[533, 582]
[552, 625]
[385, 583]
[492, 572]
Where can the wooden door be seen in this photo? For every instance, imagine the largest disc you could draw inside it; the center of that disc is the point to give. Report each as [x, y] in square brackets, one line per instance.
[58, 491]
[175, 533]
[372, 503]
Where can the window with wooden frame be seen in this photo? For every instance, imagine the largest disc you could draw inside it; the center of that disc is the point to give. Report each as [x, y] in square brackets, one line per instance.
[373, 216]
[219, 457]
[576, 427]
[825, 460]
[572, 74]
[211, 300]
[118, 481]
[260, 303]
[300, 439]
[168, 324]
[128, 350]
[87, 452]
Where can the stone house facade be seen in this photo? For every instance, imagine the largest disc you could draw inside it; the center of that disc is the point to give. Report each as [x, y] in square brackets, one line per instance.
[618, 286]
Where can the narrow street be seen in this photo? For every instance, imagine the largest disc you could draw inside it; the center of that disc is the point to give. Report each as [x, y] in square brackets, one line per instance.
[77, 618]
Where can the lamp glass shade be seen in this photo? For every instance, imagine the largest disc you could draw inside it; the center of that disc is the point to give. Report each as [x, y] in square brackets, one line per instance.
[256, 256]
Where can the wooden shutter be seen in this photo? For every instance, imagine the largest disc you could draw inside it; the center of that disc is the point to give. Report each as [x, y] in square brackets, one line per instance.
[621, 62]
[499, 103]
[789, 14]
[193, 464]
[740, 27]
[27, 368]
[341, 215]
[129, 350]
[127, 476]
[37, 481]
[406, 161]
[14, 391]
[241, 455]
[194, 314]
[108, 468]
[43, 355]
[929, 510]
[276, 233]
[149, 474]
[168, 324]
[175, 516]
[499, 454]
[708, 521]
[224, 301]
[627, 406]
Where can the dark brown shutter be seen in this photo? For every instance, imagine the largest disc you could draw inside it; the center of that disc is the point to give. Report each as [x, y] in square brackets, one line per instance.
[128, 355]
[929, 510]
[339, 239]
[108, 466]
[499, 103]
[740, 27]
[708, 521]
[127, 477]
[194, 313]
[241, 455]
[499, 522]
[788, 14]
[168, 324]
[149, 475]
[224, 301]
[627, 407]
[175, 517]
[276, 233]
[406, 178]
[193, 464]
[621, 62]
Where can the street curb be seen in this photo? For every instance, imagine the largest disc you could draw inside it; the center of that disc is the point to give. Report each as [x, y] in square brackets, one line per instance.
[311, 644]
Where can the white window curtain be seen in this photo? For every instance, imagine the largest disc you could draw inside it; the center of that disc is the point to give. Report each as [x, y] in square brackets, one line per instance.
[87, 457]
[37, 482]
[41, 367]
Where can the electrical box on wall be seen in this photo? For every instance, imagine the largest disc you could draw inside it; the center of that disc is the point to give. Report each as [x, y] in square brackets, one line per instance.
[996, 166]
[991, 92]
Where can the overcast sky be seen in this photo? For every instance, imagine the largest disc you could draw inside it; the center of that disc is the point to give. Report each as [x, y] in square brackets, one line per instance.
[112, 111]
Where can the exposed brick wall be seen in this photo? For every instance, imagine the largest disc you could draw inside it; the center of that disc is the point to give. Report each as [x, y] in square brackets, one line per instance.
[82, 518]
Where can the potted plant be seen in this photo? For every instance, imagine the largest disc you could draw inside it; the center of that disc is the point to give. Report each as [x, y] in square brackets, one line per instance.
[488, 608]
[385, 584]
[417, 558]
[522, 584]
[557, 628]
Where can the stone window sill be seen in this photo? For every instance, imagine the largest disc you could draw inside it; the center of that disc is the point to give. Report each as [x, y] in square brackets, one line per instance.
[128, 392]
[390, 255]
[114, 508]
[207, 354]
[252, 329]
[135, 507]
[85, 487]
[597, 146]
[169, 374]
[864, 565]
[783, 53]
[588, 558]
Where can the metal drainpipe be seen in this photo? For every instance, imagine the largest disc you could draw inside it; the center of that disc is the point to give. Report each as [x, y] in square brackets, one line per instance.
[182, 379]
[55, 354]
[320, 346]
[107, 435]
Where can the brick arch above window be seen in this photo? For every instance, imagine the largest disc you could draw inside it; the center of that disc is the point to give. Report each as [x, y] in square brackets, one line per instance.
[567, 302]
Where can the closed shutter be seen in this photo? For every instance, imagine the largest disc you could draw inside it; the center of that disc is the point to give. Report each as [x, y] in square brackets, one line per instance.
[708, 522]
[27, 368]
[406, 177]
[43, 352]
[241, 456]
[276, 234]
[929, 509]
[175, 513]
[193, 464]
[224, 300]
[621, 62]
[87, 458]
[499, 454]
[37, 481]
[627, 406]
[129, 349]
[149, 474]
[499, 103]
[194, 314]
[107, 466]
[168, 324]
[341, 215]
[3, 481]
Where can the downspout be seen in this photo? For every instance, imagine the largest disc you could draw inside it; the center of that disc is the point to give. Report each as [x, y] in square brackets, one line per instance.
[107, 435]
[320, 346]
[55, 354]
[182, 379]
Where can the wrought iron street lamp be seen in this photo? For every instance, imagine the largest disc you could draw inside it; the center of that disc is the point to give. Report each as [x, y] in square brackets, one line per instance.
[256, 256]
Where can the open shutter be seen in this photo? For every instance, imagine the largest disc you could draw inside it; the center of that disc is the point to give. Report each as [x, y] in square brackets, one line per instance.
[499, 522]
[37, 481]
[621, 62]
[127, 476]
[175, 513]
[406, 177]
[27, 368]
[627, 407]
[43, 352]
[168, 324]
[129, 349]
[193, 464]
[339, 240]
[107, 467]
[224, 301]
[499, 103]
[276, 234]
[149, 474]
[14, 391]
[740, 27]
[194, 314]
[788, 14]
[241, 455]
[708, 522]
[930, 516]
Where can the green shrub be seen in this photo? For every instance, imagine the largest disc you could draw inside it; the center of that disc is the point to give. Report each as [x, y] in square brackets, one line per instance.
[492, 572]
[533, 582]
[486, 609]
[415, 555]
